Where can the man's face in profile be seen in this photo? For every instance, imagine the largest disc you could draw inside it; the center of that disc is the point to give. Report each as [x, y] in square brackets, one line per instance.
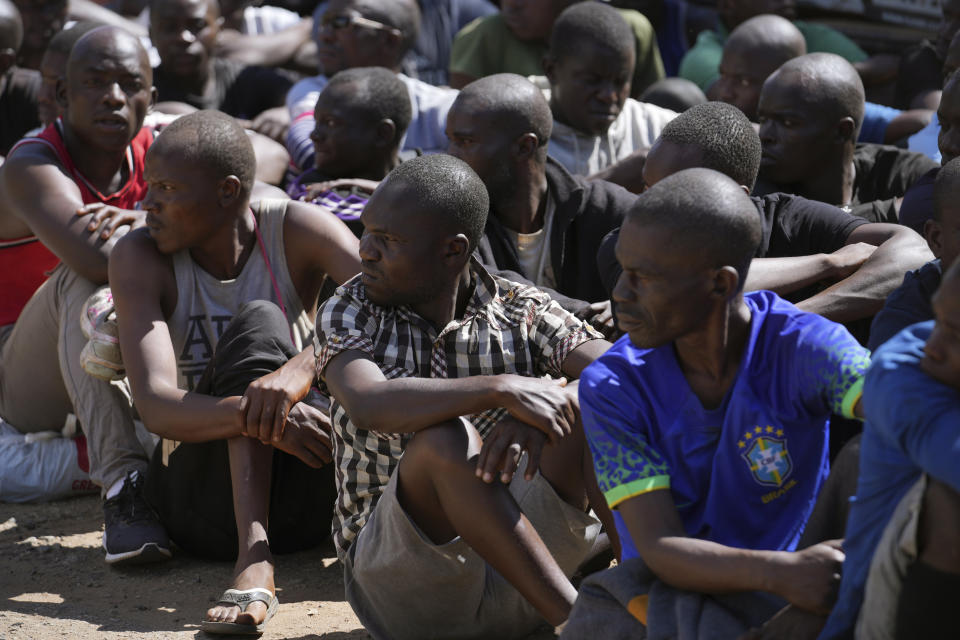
[941, 354]
[343, 135]
[663, 290]
[741, 79]
[589, 87]
[345, 44]
[477, 140]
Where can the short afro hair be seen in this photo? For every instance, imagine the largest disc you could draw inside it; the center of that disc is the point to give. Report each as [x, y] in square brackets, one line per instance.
[591, 22]
[376, 94]
[728, 140]
[448, 187]
[675, 94]
[708, 214]
[945, 189]
[214, 140]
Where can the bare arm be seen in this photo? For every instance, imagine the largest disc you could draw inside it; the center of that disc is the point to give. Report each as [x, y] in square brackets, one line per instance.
[138, 278]
[93, 12]
[269, 50]
[807, 579]
[405, 405]
[785, 275]
[899, 249]
[318, 243]
[41, 194]
[628, 173]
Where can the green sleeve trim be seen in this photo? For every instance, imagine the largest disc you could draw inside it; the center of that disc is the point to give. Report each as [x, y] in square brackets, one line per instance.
[638, 487]
[850, 399]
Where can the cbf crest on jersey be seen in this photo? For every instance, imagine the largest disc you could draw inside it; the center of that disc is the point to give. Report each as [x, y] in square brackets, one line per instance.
[765, 452]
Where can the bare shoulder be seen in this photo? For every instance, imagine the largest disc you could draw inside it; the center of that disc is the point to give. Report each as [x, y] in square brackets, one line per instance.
[135, 257]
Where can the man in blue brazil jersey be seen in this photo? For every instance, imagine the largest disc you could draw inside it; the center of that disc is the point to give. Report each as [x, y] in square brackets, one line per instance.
[708, 421]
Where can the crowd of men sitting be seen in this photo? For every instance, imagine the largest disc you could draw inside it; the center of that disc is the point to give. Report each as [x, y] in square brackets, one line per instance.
[492, 337]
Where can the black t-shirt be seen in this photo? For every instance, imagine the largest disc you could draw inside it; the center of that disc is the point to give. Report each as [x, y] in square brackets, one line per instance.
[884, 173]
[792, 226]
[907, 305]
[921, 70]
[18, 106]
[239, 91]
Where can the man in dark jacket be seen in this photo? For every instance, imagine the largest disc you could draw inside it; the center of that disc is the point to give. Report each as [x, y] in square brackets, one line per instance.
[545, 225]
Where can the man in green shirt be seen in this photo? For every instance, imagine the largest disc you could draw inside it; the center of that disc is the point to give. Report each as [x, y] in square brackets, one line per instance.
[702, 61]
[516, 39]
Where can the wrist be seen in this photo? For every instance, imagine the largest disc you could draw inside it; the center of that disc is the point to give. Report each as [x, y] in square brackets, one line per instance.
[500, 391]
[772, 570]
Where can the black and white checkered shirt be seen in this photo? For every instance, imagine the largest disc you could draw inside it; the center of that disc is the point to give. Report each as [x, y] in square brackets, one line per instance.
[507, 328]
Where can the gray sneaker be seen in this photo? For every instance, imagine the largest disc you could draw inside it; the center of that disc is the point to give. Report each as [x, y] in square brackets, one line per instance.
[132, 533]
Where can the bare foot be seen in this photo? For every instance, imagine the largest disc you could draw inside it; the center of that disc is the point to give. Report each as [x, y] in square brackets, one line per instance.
[250, 572]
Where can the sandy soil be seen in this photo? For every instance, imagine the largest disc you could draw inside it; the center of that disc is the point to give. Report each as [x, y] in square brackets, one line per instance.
[54, 584]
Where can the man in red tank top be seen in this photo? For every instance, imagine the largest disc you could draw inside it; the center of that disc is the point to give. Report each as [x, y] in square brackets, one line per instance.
[75, 187]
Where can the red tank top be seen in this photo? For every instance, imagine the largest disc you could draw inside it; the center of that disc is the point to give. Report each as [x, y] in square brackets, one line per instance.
[26, 262]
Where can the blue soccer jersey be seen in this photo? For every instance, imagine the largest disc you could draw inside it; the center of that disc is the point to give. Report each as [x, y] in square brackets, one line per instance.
[747, 473]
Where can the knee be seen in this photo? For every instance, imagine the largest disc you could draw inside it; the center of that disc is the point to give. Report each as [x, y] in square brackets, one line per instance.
[262, 313]
[447, 442]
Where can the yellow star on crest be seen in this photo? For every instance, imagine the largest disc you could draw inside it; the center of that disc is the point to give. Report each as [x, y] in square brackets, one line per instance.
[741, 444]
[769, 429]
[758, 430]
[747, 435]
[779, 432]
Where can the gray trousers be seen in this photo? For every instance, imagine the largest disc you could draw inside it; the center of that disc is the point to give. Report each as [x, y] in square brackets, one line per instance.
[41, 380]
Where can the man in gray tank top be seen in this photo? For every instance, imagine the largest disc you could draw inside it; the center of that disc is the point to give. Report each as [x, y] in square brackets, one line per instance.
[215, 301]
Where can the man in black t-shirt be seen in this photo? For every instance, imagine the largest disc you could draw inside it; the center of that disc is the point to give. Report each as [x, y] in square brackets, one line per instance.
[805, 242]
[18, 87]
[184, 32]
[810, 112]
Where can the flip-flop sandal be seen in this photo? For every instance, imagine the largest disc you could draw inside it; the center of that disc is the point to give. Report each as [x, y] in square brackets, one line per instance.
[242, 599]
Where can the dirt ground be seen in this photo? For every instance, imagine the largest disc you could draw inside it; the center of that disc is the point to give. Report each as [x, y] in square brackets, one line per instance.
[54, 584]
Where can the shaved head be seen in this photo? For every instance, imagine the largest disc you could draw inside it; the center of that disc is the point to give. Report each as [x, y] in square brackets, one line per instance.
[516, 104]
[103, 42]
[769, 40]
[11, 26]
[830, 85]
[706, 214]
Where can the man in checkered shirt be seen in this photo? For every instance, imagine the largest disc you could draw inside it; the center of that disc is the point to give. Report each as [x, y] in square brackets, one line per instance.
[437, 371]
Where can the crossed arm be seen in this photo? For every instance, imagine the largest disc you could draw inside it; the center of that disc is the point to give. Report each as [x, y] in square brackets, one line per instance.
[48, 201]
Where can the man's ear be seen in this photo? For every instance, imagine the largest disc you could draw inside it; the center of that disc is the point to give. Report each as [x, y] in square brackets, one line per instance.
[845, 129]
[726, 282]
[932, 231]
[526, 145]
[549, 68]
[8, 57]
[386, 132]
[61, 91]
[154, 94]
[456, 251]
[228, 191]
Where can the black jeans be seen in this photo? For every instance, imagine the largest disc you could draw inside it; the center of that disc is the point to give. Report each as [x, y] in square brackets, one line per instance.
[193, 493]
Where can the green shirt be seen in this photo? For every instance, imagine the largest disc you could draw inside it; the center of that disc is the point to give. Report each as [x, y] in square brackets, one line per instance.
[486, 46]
[700, 64]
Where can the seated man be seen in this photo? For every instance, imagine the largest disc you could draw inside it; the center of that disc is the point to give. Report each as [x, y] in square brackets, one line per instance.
[361, 117]
[211, 296]
[917, 207]
[42, 19]
[911, 301]
[805, 242]
[709, 420]
[810, 113]
[760, 45]
[184, 32]
[901, 576]
[919, 77]
[544, 224]
[368, 33]
[516, 40]
[597, 127]
[19, 88]
[91, 157]
[701, 63]
[427, 357]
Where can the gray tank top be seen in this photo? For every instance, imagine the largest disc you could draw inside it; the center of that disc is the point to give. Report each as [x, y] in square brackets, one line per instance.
[206, 305]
